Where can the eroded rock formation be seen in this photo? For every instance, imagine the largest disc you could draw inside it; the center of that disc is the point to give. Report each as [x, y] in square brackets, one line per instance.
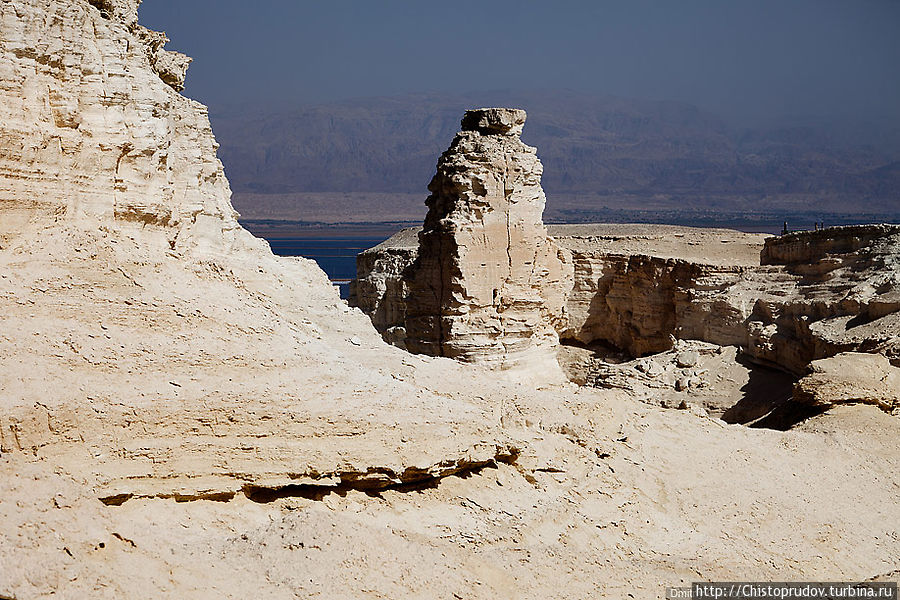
[786, 301]
[640, 287]
[183, 414]
[851, 377]
[488, 284]
[91, 127]
[825, 292]
[382, 293]
[127, 283]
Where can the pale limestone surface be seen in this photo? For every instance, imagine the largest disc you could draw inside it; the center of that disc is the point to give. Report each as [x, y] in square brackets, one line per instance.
[164, 327]
[851, 377]
[382, 284]
[488, 284]
[825, 292]
[382, 293]
[184, 415]
[90, 130]
[641, 287]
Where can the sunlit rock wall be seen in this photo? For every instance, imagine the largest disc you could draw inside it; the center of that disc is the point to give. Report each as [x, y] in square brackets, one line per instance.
[489, 285]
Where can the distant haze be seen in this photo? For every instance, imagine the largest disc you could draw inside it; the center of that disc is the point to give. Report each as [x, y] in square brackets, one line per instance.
[726, 111]
[605, 159]
[744, 60]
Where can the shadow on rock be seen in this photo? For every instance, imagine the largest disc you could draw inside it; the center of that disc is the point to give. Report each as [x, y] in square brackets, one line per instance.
[767, 392]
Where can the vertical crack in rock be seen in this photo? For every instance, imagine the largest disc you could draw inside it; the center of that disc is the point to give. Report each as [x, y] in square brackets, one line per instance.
[508, 225]
[441, 299]
[641, 287]
[503, 281]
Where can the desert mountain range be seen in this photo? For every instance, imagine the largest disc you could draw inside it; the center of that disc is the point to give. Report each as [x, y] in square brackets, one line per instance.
[602, 155]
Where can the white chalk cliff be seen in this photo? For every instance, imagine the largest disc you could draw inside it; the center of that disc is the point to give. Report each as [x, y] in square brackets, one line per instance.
[488, 284]
[785, 300]
[92, 129]
[185, 415]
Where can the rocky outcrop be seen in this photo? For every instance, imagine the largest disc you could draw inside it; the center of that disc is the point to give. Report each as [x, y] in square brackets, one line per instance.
[638, 287]
[809, 295]
[381, 287]
[169, 65]
[488, 284]
[181, 351]
[849, 378]
[183, 414]
[91, 128]
[382, 293]
[825, 292]
[817, 249]
[641, 287]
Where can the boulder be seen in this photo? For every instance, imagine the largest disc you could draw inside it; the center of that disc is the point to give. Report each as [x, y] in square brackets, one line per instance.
[851, 377]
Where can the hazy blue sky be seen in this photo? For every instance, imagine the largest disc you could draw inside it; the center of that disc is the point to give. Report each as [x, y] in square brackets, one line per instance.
[740, 58]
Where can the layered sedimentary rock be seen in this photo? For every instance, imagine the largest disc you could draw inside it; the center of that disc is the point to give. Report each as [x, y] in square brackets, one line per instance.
[851, 377]
[825, 292]
[488, 284]
[183, 414]
[785, 300]
[382, 293]
[176, 343]
[91, 127]
[640, 287]
[381, 287]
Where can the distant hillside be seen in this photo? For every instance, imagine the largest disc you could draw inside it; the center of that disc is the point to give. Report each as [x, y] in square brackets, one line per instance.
[374, 157]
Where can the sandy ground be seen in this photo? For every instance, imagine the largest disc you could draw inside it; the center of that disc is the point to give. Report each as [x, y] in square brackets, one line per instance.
[259, 440]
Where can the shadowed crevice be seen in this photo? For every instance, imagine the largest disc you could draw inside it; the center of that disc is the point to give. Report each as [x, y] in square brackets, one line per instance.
[412, 480]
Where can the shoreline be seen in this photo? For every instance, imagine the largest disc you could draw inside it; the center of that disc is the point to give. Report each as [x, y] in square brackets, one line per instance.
[275, 229]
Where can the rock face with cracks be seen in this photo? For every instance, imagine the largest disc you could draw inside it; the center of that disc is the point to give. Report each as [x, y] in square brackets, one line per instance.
[785, 300]
[92, 129]
[851, 377]
[127, 282]
[823, 292]
[640, 287]
[183, 414]
[488, 284]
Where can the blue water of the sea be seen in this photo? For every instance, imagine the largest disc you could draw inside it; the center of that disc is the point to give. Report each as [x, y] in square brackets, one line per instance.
[335, 255]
